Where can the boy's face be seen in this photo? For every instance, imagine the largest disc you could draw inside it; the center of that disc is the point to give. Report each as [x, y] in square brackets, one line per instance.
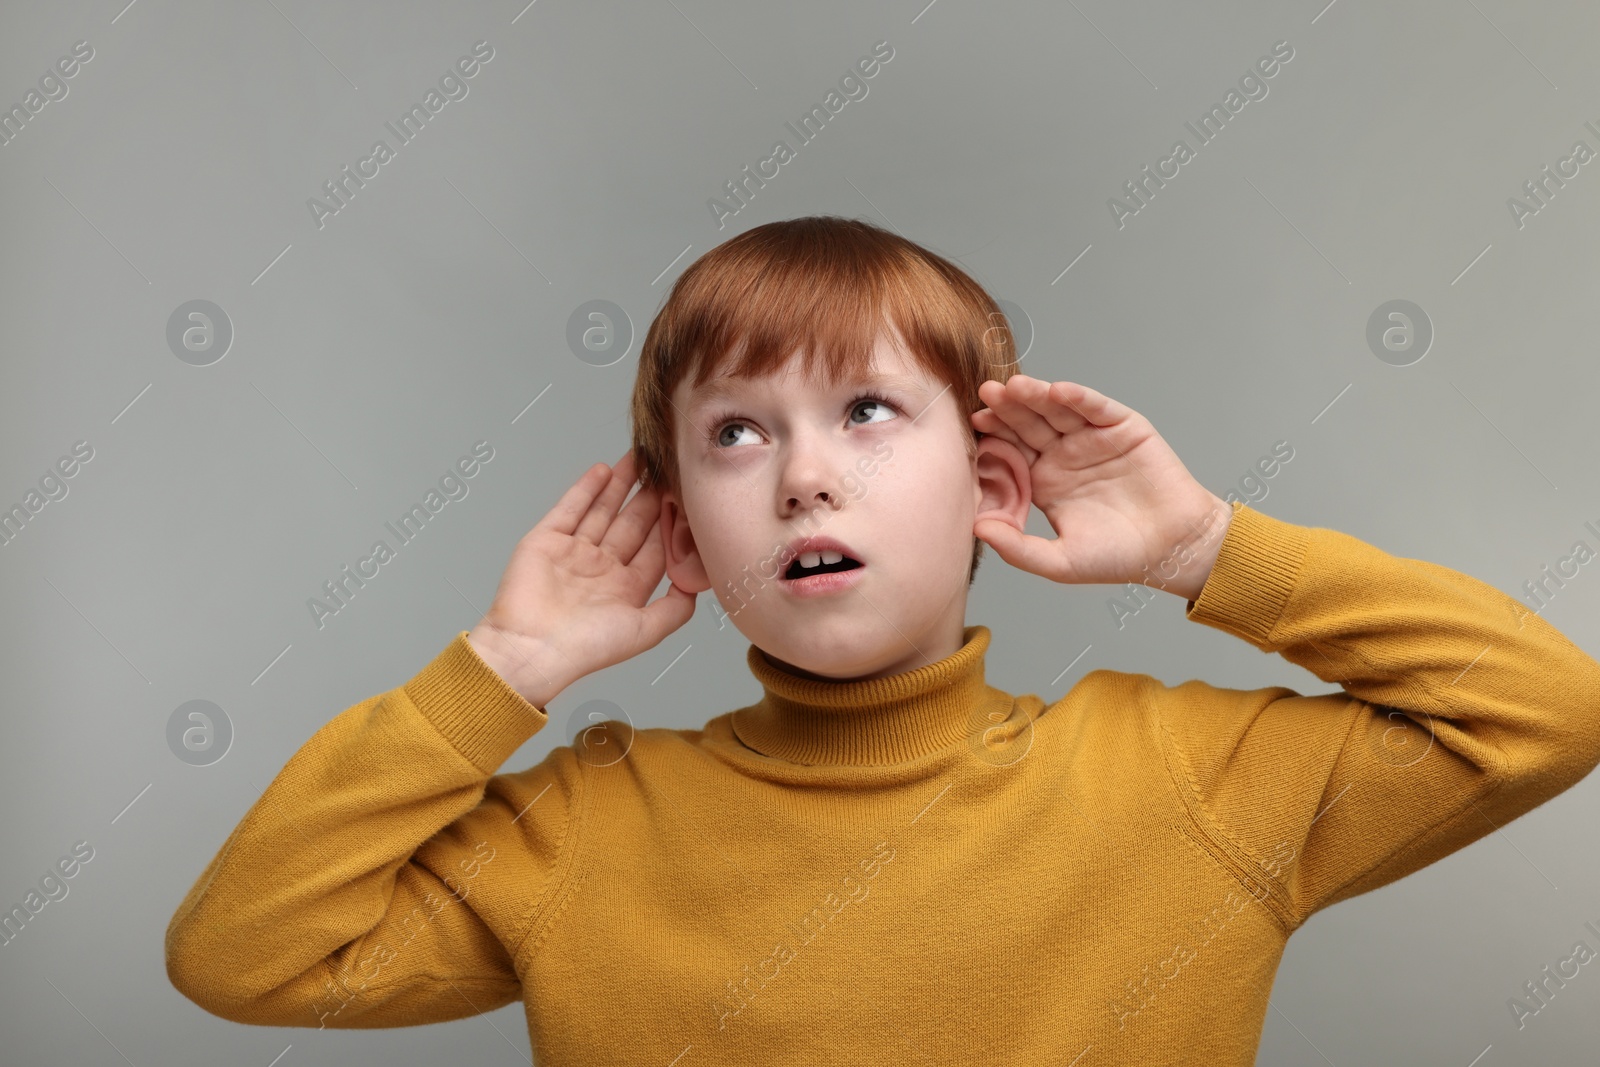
[892, 482]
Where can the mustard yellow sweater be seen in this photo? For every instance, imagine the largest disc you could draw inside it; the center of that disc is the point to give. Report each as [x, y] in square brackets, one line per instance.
[914, 869]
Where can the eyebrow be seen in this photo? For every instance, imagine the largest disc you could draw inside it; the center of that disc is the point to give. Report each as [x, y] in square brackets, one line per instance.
[724, 388]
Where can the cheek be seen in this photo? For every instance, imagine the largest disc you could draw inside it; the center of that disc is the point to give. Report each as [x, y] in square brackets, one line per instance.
[928, 511]
[727, 546]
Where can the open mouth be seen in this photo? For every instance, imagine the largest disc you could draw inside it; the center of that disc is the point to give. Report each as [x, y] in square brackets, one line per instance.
[798, 570]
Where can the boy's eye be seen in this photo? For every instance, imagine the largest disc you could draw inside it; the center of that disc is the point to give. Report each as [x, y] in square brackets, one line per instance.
[717, 434]
[878, 402]
[869, 400]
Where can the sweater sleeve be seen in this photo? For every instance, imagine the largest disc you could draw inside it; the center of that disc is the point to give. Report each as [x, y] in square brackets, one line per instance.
[387, 876]
[1459, 710]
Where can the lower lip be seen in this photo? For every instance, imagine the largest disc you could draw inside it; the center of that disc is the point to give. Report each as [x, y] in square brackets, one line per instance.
[823, 584]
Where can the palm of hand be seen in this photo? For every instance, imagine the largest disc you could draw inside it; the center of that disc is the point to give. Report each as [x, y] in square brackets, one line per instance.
[575, 597]
[580, 597]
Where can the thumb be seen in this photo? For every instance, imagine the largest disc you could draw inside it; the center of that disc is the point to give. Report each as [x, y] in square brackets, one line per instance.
[1023, 551]
[667, 612]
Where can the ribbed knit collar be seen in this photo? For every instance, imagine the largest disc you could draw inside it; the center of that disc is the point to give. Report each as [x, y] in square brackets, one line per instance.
[871, 722]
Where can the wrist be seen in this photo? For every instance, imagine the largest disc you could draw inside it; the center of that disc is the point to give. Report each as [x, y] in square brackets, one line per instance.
[1189, 563]
[531, 670]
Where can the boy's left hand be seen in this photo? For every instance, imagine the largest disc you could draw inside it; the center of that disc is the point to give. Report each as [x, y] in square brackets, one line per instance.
[1124, 507]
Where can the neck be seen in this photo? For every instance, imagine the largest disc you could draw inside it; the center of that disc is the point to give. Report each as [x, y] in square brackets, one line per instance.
[875, 720]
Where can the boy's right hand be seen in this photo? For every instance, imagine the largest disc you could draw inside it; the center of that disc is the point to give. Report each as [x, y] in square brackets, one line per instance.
[573, 599]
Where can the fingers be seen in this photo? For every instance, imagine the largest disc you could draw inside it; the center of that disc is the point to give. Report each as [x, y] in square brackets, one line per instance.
[601, 511]
[574, 503]
[991, 425]
[667, 613]
[1070, 406]
[1006, 401]
[1037, 555]
[1040, 411]
[633, 526]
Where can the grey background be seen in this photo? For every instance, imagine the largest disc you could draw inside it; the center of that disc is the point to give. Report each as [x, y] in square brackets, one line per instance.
[427, 315]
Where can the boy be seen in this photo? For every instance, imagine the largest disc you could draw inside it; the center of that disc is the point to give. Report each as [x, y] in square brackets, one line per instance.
[884, 859]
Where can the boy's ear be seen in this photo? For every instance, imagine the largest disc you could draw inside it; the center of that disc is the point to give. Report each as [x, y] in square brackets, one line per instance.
[683, 558]
[1004, 488]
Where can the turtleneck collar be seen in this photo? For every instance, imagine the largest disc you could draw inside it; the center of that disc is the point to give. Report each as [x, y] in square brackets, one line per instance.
[870, 722]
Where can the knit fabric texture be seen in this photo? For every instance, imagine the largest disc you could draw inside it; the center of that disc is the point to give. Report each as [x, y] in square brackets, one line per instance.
[920, 868]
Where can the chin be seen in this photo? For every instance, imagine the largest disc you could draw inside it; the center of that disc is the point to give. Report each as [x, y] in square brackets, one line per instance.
[848, 655]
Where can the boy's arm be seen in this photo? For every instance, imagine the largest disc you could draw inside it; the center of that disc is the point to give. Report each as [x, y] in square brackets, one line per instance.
[385, 878]
[1461, 710]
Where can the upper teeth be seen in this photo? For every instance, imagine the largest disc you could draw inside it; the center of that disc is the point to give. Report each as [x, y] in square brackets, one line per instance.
[815, 559]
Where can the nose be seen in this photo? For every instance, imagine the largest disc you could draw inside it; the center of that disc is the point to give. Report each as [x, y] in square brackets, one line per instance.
[810, 476]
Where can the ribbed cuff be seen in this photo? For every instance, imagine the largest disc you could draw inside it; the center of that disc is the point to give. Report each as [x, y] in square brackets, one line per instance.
[473, 707]
[1257, 566]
